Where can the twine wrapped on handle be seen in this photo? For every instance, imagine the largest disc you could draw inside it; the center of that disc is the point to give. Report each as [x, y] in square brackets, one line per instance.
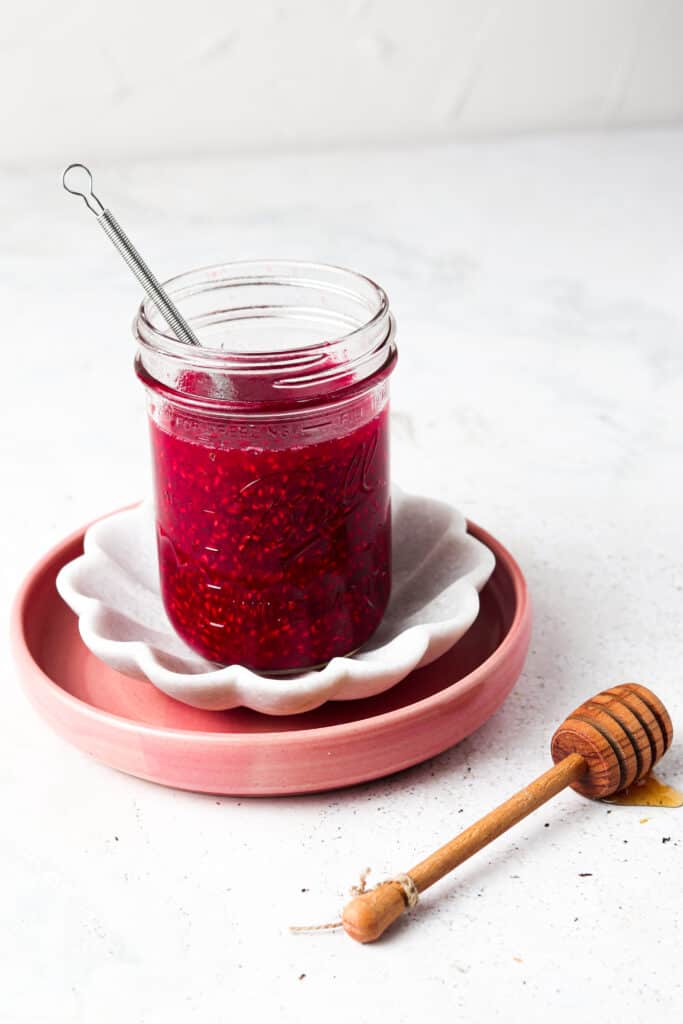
[408, 887]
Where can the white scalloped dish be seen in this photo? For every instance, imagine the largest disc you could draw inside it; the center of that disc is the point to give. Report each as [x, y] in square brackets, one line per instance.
[438, 571]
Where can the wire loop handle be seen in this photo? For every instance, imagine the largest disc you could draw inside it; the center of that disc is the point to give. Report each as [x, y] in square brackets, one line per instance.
[118, 237]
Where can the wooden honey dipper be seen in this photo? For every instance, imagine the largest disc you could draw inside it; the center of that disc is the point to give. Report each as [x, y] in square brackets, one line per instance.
[606, 745]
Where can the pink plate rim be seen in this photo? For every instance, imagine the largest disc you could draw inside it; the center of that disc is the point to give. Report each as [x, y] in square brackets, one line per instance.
[520, 625]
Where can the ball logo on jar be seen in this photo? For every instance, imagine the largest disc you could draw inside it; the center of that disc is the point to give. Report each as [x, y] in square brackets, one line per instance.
[291, 512]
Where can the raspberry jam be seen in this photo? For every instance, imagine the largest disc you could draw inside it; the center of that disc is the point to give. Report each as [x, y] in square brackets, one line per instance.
[271, 474]
[274, 559]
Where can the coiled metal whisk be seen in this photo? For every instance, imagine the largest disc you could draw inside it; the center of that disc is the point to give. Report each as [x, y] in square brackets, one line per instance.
[115, 233]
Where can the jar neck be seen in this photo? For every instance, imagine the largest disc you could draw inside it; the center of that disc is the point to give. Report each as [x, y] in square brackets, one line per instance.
[273, 335]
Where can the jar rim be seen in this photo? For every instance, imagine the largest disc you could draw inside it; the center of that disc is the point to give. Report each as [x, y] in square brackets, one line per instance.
[146, 327]
[342, 315]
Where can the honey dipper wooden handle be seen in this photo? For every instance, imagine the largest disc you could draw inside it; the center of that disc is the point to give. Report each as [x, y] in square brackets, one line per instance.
[367, 916]
[609, 743]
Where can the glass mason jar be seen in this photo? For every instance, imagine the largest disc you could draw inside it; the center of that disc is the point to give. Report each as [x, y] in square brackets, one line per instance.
[270, 451]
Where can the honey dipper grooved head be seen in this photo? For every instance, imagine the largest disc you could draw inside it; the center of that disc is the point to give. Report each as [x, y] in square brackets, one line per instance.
[621, 733]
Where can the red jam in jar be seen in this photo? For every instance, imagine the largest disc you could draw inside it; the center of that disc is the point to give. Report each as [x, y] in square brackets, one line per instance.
[270, 448]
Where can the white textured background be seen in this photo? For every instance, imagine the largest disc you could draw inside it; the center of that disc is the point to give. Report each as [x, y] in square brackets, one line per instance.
[93, 80]
[539, 387]
[537, 287]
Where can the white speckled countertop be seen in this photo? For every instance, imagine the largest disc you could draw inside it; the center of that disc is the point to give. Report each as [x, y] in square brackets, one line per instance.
[537, 286]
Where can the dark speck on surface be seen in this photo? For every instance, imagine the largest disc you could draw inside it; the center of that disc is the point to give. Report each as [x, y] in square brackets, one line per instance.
[666, 839]
[585, 874]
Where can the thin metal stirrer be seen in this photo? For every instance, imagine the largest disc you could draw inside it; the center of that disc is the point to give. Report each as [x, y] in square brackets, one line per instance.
[113, 230]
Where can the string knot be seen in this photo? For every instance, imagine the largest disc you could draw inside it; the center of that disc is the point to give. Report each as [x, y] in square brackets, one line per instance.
[410, 891]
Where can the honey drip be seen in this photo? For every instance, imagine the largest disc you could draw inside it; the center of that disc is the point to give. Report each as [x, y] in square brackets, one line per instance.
[649, 792]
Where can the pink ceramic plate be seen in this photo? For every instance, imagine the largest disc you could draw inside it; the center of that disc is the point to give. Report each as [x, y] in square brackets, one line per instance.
[134, 727]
